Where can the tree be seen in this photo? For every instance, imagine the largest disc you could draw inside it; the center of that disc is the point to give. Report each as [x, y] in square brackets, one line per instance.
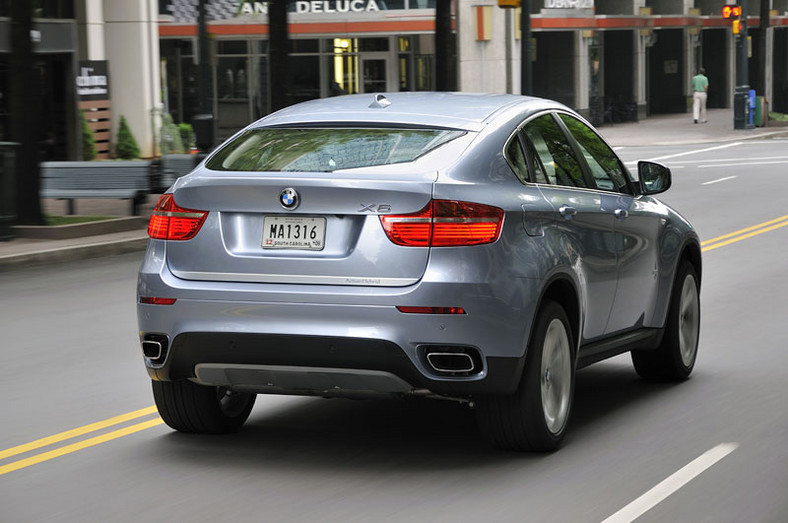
[126, 148]
[24, 93]
[88, 140]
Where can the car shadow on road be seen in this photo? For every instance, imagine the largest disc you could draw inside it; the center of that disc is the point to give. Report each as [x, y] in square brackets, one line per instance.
[411, 434]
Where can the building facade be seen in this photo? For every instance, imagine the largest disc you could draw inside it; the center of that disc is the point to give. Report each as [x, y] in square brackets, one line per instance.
[612, 60]
[618, 59]
[98, 57]
[336, 47]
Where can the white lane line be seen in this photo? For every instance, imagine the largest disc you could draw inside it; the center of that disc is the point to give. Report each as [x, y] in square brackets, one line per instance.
[696, 151]
[670, 485]
[740, 164]
[749, 159]
[718, 180]
[635, 164]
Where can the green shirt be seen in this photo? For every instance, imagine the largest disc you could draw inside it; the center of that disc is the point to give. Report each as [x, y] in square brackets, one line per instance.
[700, 83]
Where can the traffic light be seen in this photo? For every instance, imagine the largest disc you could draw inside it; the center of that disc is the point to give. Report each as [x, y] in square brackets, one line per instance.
[731, 11]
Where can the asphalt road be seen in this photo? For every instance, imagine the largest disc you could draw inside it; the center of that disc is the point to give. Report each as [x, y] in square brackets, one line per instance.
[712, 449]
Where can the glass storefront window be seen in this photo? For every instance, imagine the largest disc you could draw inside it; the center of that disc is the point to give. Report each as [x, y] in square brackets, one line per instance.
[372, 45]
[304, 46]
[421, 4]
[305, 71]
[343, 67]
[232, 78]
[231, 47]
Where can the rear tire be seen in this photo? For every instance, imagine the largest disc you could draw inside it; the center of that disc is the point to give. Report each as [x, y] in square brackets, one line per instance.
[535, 417]
[675, 357]
[188, 407]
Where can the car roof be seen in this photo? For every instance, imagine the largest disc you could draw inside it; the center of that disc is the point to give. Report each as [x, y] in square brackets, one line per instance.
[467, 111]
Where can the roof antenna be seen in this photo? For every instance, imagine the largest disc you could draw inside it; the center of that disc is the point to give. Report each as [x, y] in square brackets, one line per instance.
[381, 102]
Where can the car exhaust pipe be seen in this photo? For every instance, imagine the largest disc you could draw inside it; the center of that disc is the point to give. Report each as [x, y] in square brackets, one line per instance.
[451, 362]
[154, 347]
[151, 349]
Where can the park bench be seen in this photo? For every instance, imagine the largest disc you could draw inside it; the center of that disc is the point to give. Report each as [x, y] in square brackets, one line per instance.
[123, 180]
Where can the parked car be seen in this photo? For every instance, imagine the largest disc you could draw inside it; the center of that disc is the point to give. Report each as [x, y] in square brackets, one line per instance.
[480, 248]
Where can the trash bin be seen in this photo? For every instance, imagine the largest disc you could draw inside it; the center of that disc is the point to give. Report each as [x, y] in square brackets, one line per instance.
[7, 190]
[204, 131]
[740, 107]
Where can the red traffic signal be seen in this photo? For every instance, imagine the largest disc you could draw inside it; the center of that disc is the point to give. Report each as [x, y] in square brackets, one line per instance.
[731, 11]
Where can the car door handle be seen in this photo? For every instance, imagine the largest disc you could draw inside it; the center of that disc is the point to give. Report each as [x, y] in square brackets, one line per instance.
[567, 211]
[621, 213]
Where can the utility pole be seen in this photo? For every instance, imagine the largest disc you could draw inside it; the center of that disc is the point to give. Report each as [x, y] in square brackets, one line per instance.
[445, 53]
[278, 50]
[25, 89]
[526, 73]
[202, 121]
[762, 43]
[741, 106]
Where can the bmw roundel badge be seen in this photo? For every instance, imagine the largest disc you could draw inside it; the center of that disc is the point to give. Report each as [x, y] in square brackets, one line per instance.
[289, 199]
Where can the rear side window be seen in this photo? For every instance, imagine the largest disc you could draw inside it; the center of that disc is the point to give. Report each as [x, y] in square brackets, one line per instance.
[553, 153]
[605, 167]
[326, 150]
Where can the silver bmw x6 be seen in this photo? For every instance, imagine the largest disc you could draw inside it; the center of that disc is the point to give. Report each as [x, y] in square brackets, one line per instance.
[480, 248]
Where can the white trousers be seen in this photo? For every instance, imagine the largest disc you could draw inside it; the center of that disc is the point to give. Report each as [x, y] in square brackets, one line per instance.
[699, 106]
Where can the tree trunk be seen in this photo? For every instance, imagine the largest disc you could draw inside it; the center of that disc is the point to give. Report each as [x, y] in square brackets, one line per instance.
[24, 92]
[277, 55]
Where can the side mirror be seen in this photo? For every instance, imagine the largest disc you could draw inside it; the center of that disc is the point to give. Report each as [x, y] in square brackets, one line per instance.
[654, 177]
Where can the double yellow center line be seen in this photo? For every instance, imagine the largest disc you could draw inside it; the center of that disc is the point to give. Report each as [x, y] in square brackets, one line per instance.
[707, 245]
[79, 445]
[743, 234]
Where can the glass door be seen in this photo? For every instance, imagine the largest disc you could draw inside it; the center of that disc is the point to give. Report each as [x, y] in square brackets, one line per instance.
[376, 74]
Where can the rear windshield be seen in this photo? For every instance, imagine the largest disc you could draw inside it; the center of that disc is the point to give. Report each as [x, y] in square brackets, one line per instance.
[326, 150]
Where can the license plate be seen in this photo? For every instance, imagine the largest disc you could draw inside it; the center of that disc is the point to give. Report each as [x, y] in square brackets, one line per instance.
[294, 232]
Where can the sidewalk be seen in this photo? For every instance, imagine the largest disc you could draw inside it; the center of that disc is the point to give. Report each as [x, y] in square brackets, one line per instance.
[671, 129]
[675, 129]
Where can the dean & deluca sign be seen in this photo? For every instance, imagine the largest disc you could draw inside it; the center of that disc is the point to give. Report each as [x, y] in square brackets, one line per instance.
[247, 8]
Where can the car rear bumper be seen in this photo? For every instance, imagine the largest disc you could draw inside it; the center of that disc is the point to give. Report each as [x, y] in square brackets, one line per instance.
[272, 338]
[321, 365]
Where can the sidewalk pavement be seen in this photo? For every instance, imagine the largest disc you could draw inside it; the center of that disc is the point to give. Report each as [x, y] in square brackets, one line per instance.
[670, 129]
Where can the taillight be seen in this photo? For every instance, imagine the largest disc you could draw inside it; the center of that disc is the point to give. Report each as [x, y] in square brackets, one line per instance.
[151, 300]
[430, 310]
[445, 223]
[171, 222]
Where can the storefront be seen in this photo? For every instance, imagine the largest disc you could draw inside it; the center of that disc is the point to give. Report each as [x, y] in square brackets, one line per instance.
[55, 65]
[336, 47]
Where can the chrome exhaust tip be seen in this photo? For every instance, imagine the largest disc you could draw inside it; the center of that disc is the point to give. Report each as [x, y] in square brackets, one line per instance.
[451, 362]
[152, 349]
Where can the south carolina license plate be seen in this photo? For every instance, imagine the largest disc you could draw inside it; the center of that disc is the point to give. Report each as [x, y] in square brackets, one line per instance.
[294, 232]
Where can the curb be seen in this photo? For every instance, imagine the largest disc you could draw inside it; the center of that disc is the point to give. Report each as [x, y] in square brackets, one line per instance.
[72, 253]
[81, 230]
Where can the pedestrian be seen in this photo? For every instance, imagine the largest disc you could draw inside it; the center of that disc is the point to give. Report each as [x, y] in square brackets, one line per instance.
[700, 90]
